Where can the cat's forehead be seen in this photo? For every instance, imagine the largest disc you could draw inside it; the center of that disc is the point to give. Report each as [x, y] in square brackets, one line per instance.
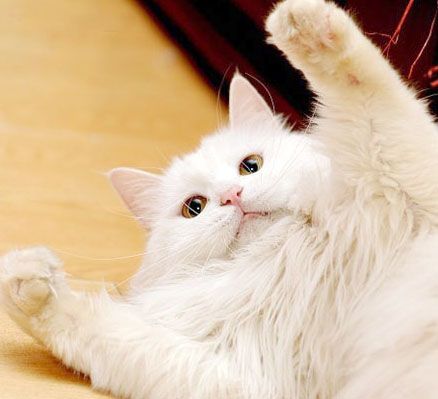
[221, 153]
[208, 163]
[208, 168]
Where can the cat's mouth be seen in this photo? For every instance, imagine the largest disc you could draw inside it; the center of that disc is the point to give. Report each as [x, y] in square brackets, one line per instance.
[251, 215]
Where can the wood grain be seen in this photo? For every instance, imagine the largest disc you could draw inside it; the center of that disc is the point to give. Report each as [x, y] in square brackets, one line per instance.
[85, 86]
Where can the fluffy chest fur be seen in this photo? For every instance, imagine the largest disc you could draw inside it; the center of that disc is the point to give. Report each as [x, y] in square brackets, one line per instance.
[311, 299]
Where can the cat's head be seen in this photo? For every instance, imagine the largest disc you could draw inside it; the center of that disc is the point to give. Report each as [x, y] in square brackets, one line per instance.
[227, 192]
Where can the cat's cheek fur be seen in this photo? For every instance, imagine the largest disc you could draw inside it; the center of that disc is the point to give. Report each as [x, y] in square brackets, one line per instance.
[188, 243]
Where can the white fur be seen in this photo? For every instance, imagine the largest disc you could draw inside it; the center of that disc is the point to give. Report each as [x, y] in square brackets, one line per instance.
[333, 297]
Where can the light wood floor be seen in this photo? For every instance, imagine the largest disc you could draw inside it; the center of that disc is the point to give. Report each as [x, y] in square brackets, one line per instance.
[85, 85]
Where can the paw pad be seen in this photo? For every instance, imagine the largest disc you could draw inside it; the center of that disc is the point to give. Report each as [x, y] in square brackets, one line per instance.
[28, 278]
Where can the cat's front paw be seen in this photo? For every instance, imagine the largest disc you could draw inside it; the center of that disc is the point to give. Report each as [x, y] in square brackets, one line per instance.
[308, 31]
[28, 279]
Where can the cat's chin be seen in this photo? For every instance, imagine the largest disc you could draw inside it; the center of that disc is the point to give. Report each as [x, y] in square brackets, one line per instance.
[248, 217]
[253, 225]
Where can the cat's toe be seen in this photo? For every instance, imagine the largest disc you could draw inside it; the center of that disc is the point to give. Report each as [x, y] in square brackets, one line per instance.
[279, 25]
[28, 278]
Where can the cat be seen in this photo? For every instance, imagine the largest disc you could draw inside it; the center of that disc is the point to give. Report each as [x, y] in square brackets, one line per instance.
[333, 295]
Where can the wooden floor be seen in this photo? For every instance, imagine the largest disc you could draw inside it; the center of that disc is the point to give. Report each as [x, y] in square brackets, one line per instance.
[85, 85]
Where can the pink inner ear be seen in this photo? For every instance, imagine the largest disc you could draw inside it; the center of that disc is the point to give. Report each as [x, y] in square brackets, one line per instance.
[137, 189]
[246, 103]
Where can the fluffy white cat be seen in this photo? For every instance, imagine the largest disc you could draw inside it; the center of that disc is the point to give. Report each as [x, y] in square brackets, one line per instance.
[292, 266]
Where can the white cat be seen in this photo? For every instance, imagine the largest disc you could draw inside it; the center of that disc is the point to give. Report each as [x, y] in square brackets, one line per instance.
[329, 291]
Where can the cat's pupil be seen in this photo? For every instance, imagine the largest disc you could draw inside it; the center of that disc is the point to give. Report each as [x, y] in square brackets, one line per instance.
[251, 165]
[195, 207]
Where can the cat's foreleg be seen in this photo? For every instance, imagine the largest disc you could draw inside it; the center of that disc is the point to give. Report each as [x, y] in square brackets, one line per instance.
[377, 134]
[105, 339]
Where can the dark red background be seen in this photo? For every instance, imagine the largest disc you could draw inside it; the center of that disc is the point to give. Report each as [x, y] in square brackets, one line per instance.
[220, 35]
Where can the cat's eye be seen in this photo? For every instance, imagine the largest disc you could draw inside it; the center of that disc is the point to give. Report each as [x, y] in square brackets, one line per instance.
[193, 206]
[251, 164]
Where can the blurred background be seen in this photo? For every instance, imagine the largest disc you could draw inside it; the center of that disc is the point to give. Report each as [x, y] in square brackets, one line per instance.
[87, 85]
[219, 36]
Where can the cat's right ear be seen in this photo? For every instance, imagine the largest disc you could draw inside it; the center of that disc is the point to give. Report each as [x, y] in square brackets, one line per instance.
[245, 102]
[137, 190]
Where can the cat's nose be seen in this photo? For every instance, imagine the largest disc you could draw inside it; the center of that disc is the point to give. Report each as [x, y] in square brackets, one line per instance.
[231, 196]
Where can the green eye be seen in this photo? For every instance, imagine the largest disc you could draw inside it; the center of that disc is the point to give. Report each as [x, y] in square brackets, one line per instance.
[193, 206]
[251, 164]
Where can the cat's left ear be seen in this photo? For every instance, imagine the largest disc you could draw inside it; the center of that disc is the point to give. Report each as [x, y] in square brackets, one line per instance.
[245, 103]
[138, 190]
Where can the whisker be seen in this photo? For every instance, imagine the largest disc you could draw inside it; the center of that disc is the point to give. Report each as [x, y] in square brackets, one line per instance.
[218, 96]
[271, 99]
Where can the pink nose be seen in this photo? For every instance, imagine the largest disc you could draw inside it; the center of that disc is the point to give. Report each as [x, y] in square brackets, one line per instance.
[231, 196]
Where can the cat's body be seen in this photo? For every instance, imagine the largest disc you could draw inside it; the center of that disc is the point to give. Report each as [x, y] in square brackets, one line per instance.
[332, 296]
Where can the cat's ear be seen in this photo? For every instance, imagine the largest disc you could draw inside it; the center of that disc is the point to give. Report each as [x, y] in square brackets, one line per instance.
[245, 103]
[137, 189]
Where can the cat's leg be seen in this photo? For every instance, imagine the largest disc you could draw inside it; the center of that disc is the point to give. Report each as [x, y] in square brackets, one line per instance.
[378, 135]
[105, 339]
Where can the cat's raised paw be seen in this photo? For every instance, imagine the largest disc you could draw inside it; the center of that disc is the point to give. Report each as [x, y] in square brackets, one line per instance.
[28, 278]
[308, 31]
